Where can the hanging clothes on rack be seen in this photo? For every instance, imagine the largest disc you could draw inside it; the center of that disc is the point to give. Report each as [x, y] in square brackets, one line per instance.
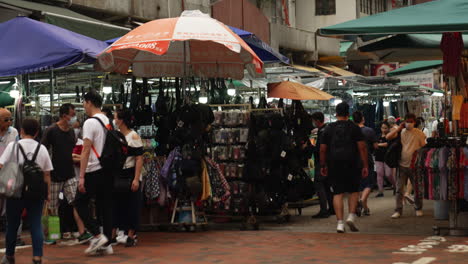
[440, 170]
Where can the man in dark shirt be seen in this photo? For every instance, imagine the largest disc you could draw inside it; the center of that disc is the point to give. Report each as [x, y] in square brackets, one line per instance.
[322, 186]
[341, 152]
[366, 183]
[60, 139]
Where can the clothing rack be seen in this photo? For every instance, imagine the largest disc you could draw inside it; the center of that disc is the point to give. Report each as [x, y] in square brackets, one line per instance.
[458, 219]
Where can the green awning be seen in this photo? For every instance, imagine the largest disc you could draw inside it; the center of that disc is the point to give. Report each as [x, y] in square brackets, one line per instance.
[416, 66]
[420, 87]
[344, 46]
[5, 98]
[408, 41]
[431, 17]
[70, 20]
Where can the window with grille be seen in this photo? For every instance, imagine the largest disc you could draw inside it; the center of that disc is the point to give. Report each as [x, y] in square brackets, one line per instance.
[371, 7]
[325, 7]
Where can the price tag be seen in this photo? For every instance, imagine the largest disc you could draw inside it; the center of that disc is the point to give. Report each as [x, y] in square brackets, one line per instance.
[283, 154]
[290, 177]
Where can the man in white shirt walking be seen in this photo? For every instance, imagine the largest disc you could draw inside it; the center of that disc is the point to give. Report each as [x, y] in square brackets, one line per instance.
[95, 184]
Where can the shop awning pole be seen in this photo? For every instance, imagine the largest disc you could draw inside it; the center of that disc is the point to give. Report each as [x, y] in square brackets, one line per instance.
[51, 76]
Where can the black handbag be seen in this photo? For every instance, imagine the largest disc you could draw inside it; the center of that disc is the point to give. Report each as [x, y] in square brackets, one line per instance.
[123, 181]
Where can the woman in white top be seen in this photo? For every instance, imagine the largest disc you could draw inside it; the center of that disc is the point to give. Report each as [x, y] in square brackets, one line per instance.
[127, 204]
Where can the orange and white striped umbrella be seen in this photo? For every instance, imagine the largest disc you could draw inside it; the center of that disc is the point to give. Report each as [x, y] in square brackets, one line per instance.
[156, 49]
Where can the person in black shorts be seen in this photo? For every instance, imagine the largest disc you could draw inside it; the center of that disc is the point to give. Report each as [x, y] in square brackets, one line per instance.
[343, 158]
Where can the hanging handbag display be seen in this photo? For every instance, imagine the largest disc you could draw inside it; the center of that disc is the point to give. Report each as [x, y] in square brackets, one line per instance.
[11, 177]
[123, 181]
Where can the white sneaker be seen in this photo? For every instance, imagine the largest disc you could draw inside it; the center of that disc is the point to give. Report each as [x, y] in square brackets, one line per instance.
[396, 215]
[95, 244]
[122, 239]
[103, 251]
[351, 222]
[419, 213]
[340, 228]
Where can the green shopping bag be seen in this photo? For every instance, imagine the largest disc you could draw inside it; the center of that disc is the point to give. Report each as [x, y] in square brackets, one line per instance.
[51, 226]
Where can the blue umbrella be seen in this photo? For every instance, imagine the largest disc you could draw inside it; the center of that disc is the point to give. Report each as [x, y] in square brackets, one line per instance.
[262, 49]
[28, 46]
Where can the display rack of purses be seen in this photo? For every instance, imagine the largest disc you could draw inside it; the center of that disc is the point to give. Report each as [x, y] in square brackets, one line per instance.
[229, 137]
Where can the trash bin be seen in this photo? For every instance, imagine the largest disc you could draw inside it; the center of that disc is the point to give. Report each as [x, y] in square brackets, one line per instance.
[441, 210]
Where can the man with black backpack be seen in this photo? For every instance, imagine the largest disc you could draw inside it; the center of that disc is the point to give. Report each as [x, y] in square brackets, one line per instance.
[35, 165]
[343, 158]
[95, 183]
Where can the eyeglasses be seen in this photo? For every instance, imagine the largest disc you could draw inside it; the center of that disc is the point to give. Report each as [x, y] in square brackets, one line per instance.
[8, 120]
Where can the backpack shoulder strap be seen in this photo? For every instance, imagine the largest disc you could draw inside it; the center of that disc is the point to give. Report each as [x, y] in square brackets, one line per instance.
[100, 121]
[36, 152]
[22, 152]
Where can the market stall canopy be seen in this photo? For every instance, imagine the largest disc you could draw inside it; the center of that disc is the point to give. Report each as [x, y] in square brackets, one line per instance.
[27, 46]
[68, 19]
[416, 66]
[296, 91]
[5, 98]
[336, 70]
[263, 50]
[404, 47]
[191, 45]
[431, 17]
[407, 41]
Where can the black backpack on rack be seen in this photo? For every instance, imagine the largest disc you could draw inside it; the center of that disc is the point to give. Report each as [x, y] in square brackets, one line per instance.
[34, 188]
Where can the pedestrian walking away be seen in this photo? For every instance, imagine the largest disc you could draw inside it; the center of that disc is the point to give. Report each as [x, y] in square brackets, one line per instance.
[36, 171]
[95, 184]
[60, 139]
[322, 185]
[412, 139]
[343, 158]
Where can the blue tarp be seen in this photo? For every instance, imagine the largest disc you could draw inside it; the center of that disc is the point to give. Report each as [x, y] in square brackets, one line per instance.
[28, 46]
[263, 50]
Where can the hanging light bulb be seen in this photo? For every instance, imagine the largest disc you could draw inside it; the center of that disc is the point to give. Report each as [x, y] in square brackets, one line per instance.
[203, 99]
[14, 92]
[337, 102]
[231, 89]
[107, 89]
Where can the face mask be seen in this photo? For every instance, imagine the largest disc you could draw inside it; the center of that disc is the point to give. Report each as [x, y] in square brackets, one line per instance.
[72, 121]
[409, 126]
